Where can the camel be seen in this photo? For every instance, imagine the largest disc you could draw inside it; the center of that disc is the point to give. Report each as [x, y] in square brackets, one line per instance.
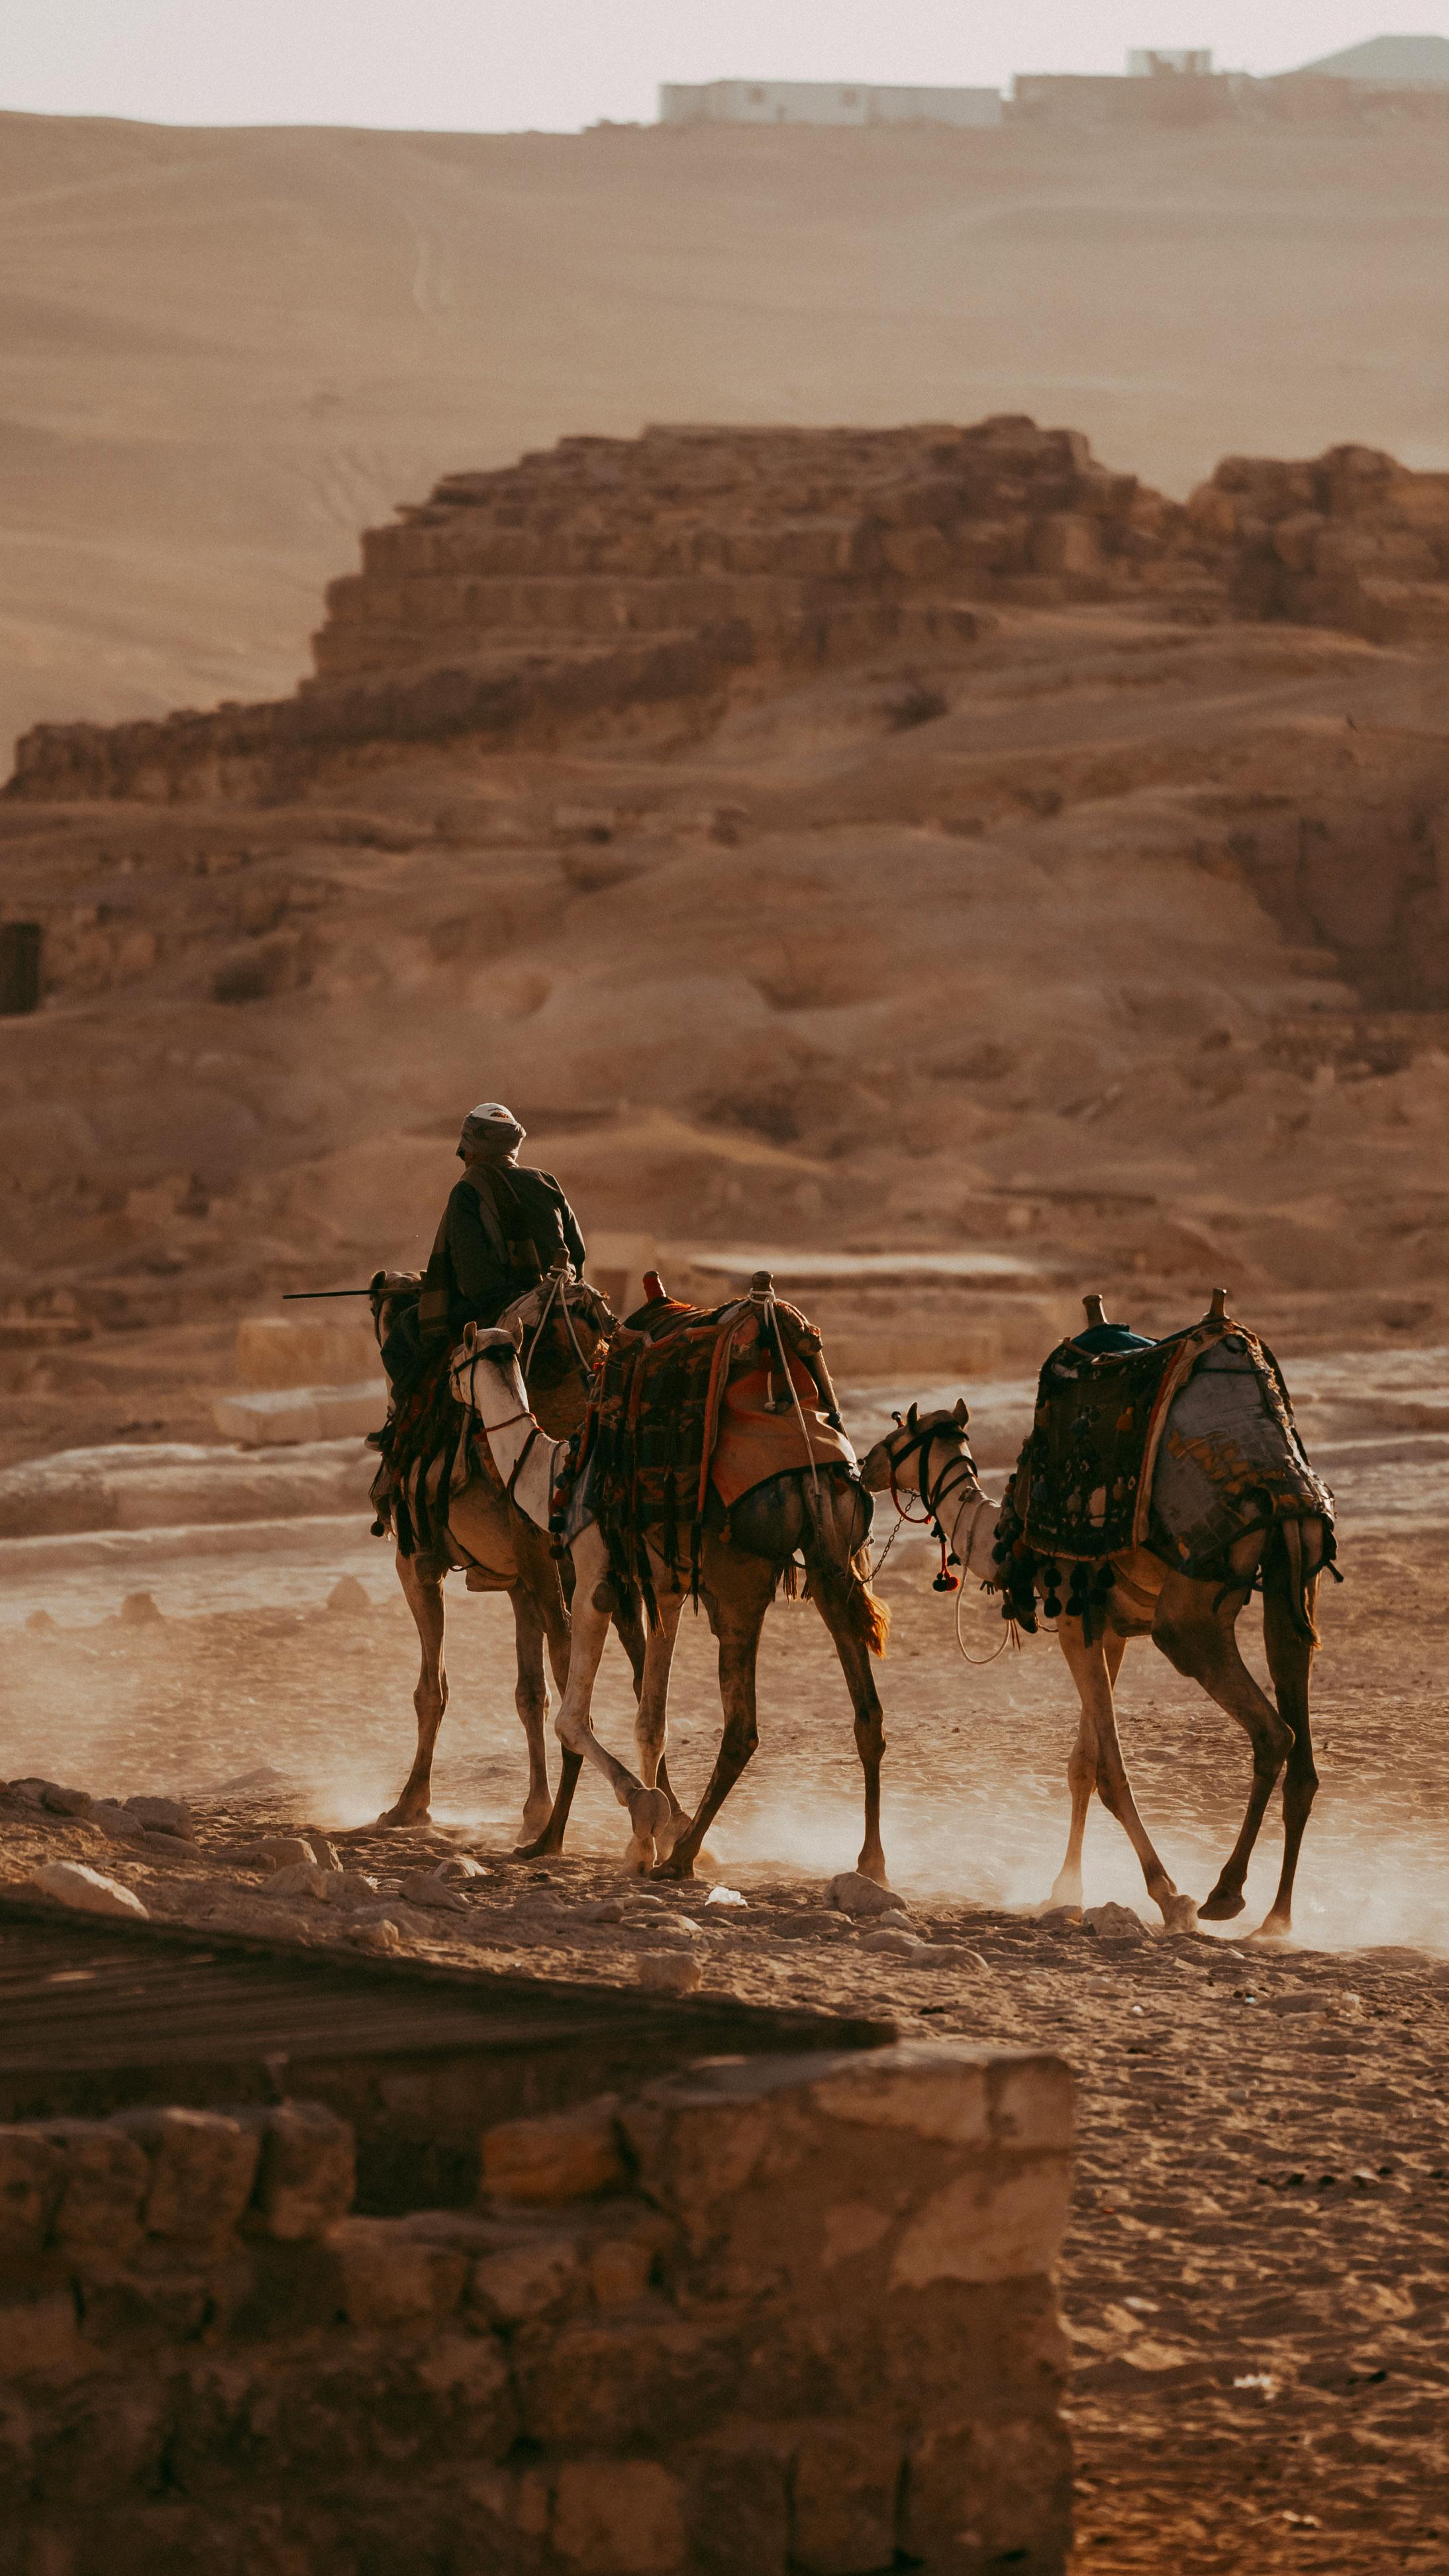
[478, 1528]
[823, 1516]
[1193, 1621]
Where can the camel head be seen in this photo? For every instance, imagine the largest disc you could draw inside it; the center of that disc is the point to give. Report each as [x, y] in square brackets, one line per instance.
[484, 1370]
[898, 1459]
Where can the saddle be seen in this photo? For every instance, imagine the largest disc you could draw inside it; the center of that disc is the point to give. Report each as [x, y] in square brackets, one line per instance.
[691, 1401]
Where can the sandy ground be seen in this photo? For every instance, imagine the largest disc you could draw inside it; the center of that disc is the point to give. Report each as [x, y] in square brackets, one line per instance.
[1257, 2270]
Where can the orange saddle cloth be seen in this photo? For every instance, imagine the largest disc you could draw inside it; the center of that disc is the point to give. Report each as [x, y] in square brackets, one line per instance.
[753, 1444]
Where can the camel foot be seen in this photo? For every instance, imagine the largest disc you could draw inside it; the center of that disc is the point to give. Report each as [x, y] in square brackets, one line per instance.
[678, 1865]
[1179, 1913]
[871, 1864]
[535, 1819]
[1221, 1906]
[669, 1833]
[408, 1811]
[1066, 1891]
[540, 1848]
[1273, 1930]
[650, 1816]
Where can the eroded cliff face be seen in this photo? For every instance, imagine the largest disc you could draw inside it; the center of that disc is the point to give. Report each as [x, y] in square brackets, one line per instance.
[1071, 914]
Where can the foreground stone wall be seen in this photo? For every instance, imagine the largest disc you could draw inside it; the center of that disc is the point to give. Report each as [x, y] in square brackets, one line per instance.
[770, 2316]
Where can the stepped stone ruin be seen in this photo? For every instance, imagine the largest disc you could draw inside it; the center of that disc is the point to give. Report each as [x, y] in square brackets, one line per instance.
[789, 2314]
[608, 574]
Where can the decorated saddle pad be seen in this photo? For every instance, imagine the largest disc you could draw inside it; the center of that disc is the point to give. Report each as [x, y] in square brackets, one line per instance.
[430, 1447]
[1182, 1444]
[688, 1398]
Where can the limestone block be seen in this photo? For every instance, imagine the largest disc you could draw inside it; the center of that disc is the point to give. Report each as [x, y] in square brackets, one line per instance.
[1066, 542]
[642, 2376]
[565, 2155]
[203, 2167]
[31, 2180]
[85, 1891]
[105, 2177]
[844, 2484]
[619, 2517]
[738, 2508]
[39, 2339]
[999, 2221]
[987, 2492]
[534, 2277]
[1295, 540]
[390, 2277]
[107, 2437]
[918, 554]
[307, 2171]
[668, 1972]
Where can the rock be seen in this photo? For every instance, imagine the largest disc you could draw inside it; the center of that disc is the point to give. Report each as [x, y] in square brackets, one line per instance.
[903, 1944]
[116, 1820]
[726, 1896]
[379, 1933]
[140, 1610]
[32, 1791]
[301, 1878]
[1115, 1923]
[1060, 1918]
[203, 2166]
[30, 2185]
[424, 1887]
[458, 1868]
[522, 2281]
[41, 1624]
[85, 1890]
[668, 1972]
[307, 2172]
[852, 1894]
[65, 1802]
[322, 1851]
[105, 2177]
[276, 1851]
[349, 1595]
[163, 1816]
[565, 2155]
[391, 2278]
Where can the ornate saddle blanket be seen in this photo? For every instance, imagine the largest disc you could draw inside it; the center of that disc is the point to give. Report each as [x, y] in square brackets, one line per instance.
[1182, 1446]
[689, 1399]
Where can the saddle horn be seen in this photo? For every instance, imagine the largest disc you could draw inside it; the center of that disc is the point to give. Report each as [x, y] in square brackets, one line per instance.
[1096, 1312]
[1218, 1310]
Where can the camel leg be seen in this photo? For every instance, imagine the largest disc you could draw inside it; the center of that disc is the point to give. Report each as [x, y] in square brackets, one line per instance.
[1290, 1661]
[574, 1727]
[742, 1594]
[835, 1596]
[422, 1582]
[1090, 1671]
[530, 1698]
[651, 1724]
[1202, 1643]
[1082, 1780]
[629, 1627]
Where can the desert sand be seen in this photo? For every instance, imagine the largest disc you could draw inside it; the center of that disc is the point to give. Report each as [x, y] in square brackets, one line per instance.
[226, 351]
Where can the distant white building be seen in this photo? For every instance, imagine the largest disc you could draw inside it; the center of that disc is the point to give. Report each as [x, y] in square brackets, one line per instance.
[738, 102]
[1192, 62]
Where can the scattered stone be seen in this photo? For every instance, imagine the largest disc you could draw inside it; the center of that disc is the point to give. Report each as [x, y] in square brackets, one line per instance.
[116, 1820]
[610, 1909]
[275, 1851]
[379, 1933]
[459, 1868]
[904, 1945]
[424, 1887]
[565, 2155]
[1060, 1918]
[349, 1595]
[85, 1890]
[65, 1802]
[301, 1878]
[140, 1610]
[850, 1893]
[163, 1816]
[32, 1791]
[668, 1972]
[726, 1896]
[322, 1851]
[1115, 1923]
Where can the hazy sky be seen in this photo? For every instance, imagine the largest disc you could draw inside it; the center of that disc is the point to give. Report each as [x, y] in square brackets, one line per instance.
[496, 65]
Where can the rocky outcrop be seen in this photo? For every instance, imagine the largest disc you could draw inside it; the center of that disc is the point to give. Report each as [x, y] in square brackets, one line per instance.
[1351, 539]
[790, 2313]
[606, 574]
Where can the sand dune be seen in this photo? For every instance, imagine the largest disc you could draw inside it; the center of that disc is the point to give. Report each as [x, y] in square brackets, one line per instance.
[227, 351]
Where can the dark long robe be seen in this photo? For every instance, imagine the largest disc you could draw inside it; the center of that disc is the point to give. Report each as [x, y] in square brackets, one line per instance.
[503, 1227]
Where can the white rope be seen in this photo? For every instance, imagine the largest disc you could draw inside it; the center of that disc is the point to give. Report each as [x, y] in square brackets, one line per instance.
[795, 1400]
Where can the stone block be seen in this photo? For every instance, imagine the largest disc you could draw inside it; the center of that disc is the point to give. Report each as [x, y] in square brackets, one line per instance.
[647, 2376]
[30, 2186]
[989, 2492]
[1295, 539]
[1066, 542]
[844, 2484]
[565, 2155]
[106, 2437]
[39, 2339]
[536, 2277]
[619, 2517]
[105, 2177]
[738, 2507]
[390, 2277]
[307, 2170]
[999, 2220]
[917, 554]
[203, 2167]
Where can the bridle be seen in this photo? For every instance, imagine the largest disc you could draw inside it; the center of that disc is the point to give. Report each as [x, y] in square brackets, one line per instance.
[959, 1471]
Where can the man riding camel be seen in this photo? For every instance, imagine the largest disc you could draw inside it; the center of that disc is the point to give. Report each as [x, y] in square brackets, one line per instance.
[503, 1227]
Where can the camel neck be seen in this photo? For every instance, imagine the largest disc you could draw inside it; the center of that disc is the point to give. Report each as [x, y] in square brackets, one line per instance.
[522, 1453]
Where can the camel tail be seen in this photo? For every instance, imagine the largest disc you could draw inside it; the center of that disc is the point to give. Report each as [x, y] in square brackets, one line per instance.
[870, 1615]
[1300, 1599]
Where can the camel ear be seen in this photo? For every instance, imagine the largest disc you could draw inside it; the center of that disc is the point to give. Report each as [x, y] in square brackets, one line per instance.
[470, 1338]
[911, 1419]
[959, 1412]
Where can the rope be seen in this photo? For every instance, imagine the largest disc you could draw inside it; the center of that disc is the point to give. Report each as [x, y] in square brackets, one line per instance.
[795, 1400]
[1010, 1635]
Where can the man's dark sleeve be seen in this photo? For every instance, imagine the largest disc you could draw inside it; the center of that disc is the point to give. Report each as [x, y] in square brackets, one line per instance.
[479, 1269]
[573, 1240]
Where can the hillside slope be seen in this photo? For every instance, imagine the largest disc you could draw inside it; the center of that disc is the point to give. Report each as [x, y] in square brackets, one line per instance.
[225, 351]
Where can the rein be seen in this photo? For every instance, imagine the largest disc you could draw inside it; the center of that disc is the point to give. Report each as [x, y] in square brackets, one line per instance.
[934, 1497]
